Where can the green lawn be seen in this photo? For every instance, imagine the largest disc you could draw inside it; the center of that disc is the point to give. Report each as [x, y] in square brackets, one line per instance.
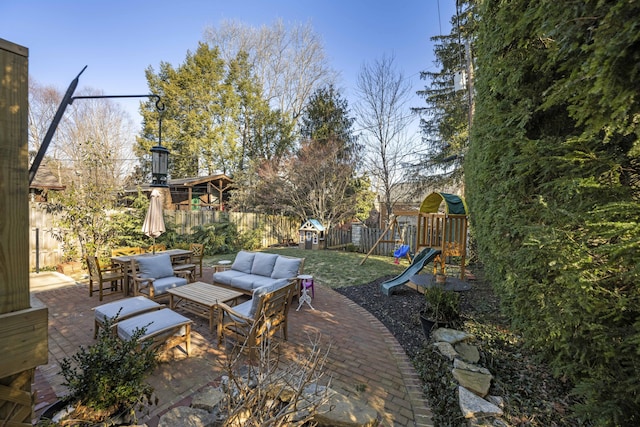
[334, 269]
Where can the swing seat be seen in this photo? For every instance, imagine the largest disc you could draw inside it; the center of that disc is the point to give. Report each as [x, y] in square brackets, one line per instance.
[401, 251]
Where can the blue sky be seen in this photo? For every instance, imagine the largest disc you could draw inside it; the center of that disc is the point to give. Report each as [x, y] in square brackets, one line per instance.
[119, 39]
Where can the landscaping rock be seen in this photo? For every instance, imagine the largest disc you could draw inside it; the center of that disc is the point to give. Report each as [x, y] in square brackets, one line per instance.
[473, 406]
[446, 350]
[468, 352]
[452, 336]
[341, 411]
[461, 364]
[476, 382]
[208, 399]
[184, 416]
[496, 400]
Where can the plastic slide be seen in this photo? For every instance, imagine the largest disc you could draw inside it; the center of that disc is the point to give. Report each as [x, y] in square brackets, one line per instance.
[426, 255]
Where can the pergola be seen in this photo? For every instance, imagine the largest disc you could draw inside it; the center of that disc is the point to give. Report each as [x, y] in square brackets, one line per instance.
[204, 192]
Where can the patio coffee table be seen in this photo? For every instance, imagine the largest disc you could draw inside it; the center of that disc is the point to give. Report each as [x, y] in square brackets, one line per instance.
[200, 298]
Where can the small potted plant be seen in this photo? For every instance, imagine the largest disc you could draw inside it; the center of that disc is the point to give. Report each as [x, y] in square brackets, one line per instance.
[106, 381]
[441, 308]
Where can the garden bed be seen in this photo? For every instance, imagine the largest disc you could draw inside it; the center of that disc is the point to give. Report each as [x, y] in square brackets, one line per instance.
[533, 397]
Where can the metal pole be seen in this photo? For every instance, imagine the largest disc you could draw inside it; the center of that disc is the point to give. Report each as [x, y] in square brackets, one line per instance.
[37, 250]
[66, 100]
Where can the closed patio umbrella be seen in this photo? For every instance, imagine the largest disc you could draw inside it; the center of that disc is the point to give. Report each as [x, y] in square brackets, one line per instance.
[154, 221]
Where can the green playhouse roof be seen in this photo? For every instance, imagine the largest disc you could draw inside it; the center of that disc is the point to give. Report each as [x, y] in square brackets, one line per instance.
[454, 205]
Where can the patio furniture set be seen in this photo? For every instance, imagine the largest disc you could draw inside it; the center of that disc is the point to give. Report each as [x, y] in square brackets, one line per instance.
[270, 280]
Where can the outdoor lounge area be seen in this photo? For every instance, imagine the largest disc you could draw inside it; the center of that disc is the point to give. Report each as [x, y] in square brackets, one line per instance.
[365, 362]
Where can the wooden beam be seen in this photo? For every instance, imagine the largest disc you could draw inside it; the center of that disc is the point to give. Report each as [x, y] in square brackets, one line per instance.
[23, 340]
[14, 182]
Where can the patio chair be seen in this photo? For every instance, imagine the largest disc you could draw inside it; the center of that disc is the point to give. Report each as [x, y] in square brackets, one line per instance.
[153, 275]
[158, 247]
[255, 321]
[198, 254]
[188, 264]
[126, 251]
[98, 276]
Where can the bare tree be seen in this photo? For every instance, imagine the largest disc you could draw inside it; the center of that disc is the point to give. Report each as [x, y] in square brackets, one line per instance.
[43, 103]
[382, 112]
[91, 149]
[92, 132]
[95, 135]
[290, 63]
[316, 182]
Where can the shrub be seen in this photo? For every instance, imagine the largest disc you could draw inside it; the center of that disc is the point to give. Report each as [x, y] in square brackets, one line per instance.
[107, 377]
[440, 305]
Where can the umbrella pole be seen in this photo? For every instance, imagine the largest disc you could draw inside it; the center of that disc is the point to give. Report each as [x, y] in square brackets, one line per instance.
[154, 245]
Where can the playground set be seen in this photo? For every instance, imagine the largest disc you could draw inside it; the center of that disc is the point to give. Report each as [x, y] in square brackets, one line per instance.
[441, 235]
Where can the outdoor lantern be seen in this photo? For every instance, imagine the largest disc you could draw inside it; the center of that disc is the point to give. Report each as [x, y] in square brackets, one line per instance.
[159, 166]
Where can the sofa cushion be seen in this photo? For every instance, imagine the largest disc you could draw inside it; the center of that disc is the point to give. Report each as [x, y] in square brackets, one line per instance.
[225, 277]
[243, 262]
[244, 282]
[260, 281]
[263, 264]
[161, 286]
[156, 266]
[286, 268]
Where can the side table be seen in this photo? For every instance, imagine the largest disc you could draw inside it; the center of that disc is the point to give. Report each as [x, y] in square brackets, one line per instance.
[222, 265]
[306, 283]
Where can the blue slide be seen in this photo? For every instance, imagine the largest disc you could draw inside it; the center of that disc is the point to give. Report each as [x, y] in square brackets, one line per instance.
[425, 256]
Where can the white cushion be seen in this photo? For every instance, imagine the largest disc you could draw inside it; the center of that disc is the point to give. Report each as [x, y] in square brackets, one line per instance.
[286, 268]
[243, 262]
[155, 266]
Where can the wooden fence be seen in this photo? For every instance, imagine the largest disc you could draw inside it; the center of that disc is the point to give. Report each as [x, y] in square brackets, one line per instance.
[338, 238]
[276, 229]
[45, 251]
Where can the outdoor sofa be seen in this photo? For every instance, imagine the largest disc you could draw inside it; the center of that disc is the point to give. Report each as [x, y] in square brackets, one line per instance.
[253, 270]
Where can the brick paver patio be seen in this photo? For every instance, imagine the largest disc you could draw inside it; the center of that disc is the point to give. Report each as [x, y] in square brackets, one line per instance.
[364, 359]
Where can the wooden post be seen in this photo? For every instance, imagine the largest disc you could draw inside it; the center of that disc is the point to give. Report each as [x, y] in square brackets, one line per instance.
[23, 329]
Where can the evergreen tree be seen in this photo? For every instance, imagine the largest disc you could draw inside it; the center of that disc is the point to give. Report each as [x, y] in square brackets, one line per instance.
[444, 121]
[552, 184]
[215, 119]
[326, 117]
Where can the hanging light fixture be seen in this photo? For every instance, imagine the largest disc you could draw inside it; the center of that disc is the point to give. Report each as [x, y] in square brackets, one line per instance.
[159, 159]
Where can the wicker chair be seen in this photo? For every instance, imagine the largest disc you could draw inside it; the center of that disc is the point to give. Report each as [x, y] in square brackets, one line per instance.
[253, 322]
